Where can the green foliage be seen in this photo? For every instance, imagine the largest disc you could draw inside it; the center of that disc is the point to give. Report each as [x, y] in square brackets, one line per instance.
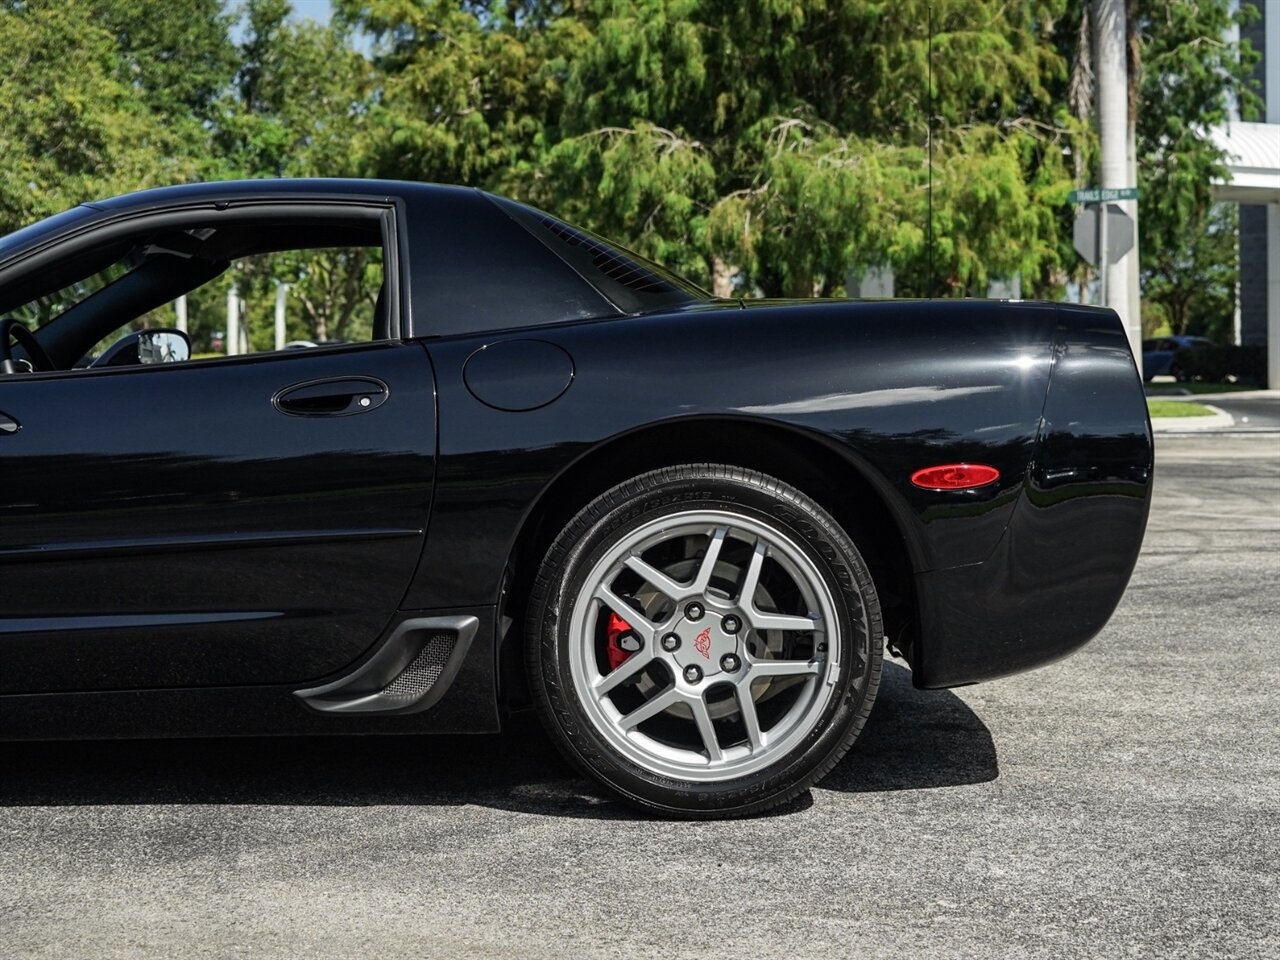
[301, 98]
[1189, 78]
[74, 127]
[1191, 282]
[463, 87]
[785, 143]
[331, 293]
[181, 63]
[777, 147]
[300, 107]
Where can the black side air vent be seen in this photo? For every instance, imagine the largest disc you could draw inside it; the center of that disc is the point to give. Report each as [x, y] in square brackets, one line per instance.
[410, 671]
[425, 670]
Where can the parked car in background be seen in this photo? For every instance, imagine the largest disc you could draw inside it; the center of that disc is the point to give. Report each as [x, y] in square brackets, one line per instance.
[1159, 353]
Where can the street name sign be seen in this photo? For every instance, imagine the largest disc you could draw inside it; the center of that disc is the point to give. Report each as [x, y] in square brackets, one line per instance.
[1102, 194]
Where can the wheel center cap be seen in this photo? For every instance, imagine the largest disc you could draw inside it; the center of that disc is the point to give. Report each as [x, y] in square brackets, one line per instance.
[702, 643]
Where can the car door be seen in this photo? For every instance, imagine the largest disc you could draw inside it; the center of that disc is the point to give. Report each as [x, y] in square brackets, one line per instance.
[233, 521]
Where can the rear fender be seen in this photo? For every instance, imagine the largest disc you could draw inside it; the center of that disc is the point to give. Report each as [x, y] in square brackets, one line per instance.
[1062, 565]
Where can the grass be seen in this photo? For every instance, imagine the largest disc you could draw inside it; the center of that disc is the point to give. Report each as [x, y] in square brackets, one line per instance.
[1177, 408]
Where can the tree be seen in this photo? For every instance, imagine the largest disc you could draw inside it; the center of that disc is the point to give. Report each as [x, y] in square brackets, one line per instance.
[464, 88]
[300, 101]
[1183, 78]
[758, 147]
[298, 105]
[1193, 282]
[73, 129]
[182, 60]
[770, 148]
[1190, 77]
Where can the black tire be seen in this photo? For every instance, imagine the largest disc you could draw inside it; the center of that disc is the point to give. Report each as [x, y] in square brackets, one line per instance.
[627, 507]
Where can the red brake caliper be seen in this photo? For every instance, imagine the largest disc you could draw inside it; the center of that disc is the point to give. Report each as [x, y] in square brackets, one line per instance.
[618, 628]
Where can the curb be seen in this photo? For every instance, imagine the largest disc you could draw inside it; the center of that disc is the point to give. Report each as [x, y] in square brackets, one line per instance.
[1221, 420]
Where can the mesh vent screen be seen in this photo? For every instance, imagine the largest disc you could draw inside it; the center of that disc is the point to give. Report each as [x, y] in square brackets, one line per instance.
[424, 670]
[610, 262]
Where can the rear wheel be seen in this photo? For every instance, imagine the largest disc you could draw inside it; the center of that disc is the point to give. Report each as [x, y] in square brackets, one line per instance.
[704, 640]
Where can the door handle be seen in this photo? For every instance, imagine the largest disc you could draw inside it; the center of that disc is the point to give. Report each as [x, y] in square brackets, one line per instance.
[8, 425]
[332, 397]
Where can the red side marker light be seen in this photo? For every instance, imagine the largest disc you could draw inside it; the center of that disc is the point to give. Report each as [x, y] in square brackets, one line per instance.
[955, 476]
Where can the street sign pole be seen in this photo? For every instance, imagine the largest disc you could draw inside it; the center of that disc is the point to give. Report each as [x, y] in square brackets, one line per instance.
[1102, 255]
[1096, 200]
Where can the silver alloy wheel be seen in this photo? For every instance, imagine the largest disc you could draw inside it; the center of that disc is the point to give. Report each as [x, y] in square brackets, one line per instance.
[708, 657]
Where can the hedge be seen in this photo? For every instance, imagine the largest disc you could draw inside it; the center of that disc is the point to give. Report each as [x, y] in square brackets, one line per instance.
[1215, 364]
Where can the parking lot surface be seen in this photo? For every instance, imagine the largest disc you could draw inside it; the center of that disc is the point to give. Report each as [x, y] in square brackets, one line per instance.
[1122, 802]
[1253, 410]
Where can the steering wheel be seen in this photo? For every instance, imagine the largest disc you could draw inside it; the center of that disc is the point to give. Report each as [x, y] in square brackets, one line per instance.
[15, 329]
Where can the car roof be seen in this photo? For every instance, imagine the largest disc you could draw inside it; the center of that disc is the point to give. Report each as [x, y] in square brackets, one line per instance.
[269, 187]
[552, 272]
[214, 190]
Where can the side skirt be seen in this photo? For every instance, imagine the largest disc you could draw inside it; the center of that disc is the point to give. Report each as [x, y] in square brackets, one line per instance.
[464, 703]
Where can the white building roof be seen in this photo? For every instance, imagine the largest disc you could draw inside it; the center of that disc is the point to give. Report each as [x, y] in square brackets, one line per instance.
[1253, 162]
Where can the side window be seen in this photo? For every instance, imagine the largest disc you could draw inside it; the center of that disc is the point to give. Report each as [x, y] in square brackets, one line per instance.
[285, 300]
[203, 292]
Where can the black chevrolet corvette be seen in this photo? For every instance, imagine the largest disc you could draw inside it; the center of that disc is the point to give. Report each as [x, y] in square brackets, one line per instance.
[519, 467]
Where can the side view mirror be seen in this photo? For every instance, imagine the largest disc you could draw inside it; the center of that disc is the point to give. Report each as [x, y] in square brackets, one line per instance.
[163, 346]
[146, 346]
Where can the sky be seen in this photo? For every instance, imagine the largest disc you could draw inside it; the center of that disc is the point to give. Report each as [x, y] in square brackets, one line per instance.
[313, 9]
[318, 10]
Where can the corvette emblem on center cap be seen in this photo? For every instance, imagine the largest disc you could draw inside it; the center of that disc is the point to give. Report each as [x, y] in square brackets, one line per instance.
[702, 643]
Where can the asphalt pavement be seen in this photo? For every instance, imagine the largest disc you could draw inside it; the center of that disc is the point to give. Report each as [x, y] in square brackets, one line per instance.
[1122, 802]
[1254, 411]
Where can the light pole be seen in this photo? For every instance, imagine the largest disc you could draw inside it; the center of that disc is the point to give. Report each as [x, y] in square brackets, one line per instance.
[233, 322]
[282, 289]
[1109, 43]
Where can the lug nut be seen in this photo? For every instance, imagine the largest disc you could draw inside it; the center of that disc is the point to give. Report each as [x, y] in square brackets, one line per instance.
[692, 673]
[694, 611]
[670, 642]
[729, 663]
[731, 624]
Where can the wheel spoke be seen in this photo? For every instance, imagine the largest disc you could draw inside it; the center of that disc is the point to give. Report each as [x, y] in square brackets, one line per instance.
[784, 668]
[650, 708]
[635, 619]
[746, 596]
[709, 560]
[750, 719]
[707, 730]
[672, 589]
[762, 620]
[624, 671]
